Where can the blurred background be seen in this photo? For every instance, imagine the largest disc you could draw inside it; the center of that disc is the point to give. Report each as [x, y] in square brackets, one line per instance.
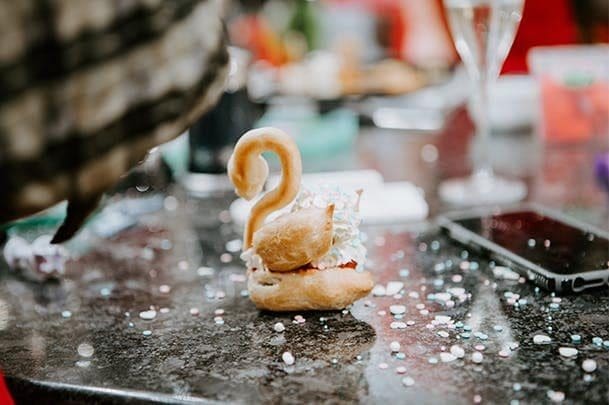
[315, 66]
[130, 109]
[380, 85]
[376, 94]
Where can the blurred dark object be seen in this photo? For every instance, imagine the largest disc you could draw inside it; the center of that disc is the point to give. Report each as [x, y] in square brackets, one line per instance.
[152, 175]
[251, 5]
[87, 88]
[391, 29]
[593, 19]
[601, 169]
[213, 135]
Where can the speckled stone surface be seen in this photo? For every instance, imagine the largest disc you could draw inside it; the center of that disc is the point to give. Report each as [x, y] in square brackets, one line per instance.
[191, 247]
[191, 357]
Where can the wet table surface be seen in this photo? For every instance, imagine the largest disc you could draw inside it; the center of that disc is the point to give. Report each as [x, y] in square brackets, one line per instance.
[83, 340]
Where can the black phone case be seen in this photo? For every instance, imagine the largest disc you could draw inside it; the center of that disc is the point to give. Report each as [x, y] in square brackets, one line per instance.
[560, 284]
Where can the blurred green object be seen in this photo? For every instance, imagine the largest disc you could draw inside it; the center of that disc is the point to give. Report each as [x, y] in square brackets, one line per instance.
[303, 21]
[175, 155]
[578, 79]
[316, 135]
[48, 220]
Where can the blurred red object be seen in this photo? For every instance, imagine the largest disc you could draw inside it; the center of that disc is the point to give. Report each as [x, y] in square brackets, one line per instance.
[5, 395]
[573, 114]
[414, 30]
[253, 32]
[564, 120]
[544, 22]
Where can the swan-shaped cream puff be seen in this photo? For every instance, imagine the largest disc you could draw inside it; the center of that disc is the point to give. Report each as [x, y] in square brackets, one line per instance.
[310, 258]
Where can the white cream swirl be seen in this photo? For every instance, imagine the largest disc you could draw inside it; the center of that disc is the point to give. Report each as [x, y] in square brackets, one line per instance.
[252, 260]
[347, 245]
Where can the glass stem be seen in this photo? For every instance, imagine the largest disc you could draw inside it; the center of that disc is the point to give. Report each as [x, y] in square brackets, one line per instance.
[482, 164]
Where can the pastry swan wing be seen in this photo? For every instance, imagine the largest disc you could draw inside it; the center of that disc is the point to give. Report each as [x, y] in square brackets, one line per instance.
[295, 239]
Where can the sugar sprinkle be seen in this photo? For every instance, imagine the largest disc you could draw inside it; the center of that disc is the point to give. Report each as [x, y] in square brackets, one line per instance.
[589, 365]
[85, 350]
[148, 315]
[288, 358]
[408, 381]
[541, 339]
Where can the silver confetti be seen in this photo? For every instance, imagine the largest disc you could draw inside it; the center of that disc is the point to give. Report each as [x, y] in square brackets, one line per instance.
[148, 315]
[85, 350]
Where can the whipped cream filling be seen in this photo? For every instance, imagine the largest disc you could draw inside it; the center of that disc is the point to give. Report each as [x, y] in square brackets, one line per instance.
[347, 244]
[252, 260]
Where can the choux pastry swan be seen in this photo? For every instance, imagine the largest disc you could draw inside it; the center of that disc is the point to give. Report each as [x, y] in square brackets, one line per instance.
[310, 258]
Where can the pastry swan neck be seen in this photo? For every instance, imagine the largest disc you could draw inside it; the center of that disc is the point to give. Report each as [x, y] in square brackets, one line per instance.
[248, 171]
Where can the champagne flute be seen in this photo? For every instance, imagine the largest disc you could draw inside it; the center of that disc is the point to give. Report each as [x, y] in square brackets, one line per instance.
[483, 32]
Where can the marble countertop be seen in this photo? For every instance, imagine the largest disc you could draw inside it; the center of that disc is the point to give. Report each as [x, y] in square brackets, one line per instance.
[85, 339]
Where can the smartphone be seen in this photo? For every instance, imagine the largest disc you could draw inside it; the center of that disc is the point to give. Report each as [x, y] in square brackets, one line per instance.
[554, 251]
